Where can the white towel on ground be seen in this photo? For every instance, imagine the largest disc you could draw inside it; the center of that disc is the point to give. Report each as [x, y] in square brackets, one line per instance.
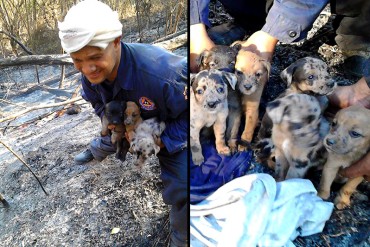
[254, 210]
[89, 22]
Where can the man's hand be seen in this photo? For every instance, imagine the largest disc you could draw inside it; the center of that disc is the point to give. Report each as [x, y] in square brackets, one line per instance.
[262, 44]
[358, 169]
[199, 41]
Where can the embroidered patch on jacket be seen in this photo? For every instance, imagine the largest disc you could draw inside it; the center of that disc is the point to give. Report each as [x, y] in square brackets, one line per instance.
[146, 103]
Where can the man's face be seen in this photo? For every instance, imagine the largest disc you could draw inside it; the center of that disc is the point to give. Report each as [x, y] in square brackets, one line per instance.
[98, 64]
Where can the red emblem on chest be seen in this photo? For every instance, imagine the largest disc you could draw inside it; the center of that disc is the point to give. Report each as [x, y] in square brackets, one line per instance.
[146, 103]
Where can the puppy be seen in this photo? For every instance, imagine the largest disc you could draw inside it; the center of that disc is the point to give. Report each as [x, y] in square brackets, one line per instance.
[297, 134]
[307, 75]
[347, 142]
[219, 57]
[223, 58]
[252, 72]
[145, 139]
[132, 119]
[112, 122]
[209, 107]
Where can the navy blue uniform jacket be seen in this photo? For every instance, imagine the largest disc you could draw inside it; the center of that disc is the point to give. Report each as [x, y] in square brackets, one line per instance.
[154, 79]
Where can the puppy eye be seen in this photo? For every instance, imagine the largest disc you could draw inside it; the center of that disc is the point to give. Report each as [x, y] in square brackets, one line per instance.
[258, 74]
[310, 77]
[354, 134]
[200, 91]
[232, 62]
[220, 90]
[238, 72]
[334, 123]
[213, 64]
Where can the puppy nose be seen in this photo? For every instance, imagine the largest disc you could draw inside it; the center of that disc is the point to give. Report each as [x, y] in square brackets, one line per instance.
[330, 142]
[330, 83]
[212, 104]
[247, 86]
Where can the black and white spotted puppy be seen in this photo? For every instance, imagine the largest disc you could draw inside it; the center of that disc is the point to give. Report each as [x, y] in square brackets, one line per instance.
[297, 133]
[209, 107]
[144, 141]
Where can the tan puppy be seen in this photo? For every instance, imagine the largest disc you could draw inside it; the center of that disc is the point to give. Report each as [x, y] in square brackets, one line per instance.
[347, 142]
[132, 119]
[297, 134]
[252, 72]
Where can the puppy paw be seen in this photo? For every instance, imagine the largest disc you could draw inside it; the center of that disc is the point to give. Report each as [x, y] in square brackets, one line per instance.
[323, 194]
[225, 150]
[198, 159]
[341, 203]
[244, 145]
[233, 145]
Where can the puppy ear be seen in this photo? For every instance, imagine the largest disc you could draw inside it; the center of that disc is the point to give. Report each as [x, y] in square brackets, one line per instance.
[229, 78]
[287, 74]
[123, 104]
[237, 46]
[276, 110]
[192, 78]
[156, 149]
[201, 59]
[267, 66]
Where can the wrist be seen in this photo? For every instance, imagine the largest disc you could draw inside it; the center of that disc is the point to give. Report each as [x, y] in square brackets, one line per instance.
[262, 43]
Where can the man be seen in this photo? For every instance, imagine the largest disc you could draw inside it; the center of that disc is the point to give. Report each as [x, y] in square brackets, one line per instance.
[147, 75]
[288, 21]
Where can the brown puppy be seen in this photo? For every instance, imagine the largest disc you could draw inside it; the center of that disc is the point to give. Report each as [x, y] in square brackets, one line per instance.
[252, 72]
[297, 134]
[112, 122]
[132, 119]
[347, 142]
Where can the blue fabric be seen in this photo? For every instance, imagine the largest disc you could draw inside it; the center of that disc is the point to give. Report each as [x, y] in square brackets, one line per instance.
[217, 170]
[283, 18]
[152, 74]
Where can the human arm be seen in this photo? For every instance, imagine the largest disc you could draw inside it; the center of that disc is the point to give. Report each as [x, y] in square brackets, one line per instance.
[90, 94]
[358, 169]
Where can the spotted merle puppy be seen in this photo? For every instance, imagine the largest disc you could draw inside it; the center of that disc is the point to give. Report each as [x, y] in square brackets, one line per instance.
[223, 58]
[297, 133]
[145, 140]
[112, 123]
[307, 75]
[209, 107]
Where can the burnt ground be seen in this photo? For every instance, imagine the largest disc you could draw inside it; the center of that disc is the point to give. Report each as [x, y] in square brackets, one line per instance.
[351, 226]
[84, 202]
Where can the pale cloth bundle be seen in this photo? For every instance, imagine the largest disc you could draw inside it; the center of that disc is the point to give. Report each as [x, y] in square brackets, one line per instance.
[90, 22]
[254, 210]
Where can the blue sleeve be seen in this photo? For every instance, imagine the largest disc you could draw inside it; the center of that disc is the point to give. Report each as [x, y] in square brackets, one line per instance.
[199, 10]
[290, 20]
[175, 94]
[89, 93]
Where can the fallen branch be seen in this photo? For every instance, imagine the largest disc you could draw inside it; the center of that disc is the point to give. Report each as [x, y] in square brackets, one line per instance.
[58, 59]
[39, 107]
[173, 43]
[29, 168]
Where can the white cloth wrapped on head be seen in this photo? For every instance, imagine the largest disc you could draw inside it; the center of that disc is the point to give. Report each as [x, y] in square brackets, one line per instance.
[90, 22]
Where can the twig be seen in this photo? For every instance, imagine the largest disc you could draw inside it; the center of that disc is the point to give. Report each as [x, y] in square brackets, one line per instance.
[29, 168]
[4, 202]
[39, 107]
[11, 103]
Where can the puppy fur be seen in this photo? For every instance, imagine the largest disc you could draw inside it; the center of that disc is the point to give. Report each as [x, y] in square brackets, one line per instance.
[218, 57]
[112, 122]
[307, 75]
[209, 107]
[297, 134]
[132, 119]
[223, 58]
[347, 142]
[145, 139]
[253, 72]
